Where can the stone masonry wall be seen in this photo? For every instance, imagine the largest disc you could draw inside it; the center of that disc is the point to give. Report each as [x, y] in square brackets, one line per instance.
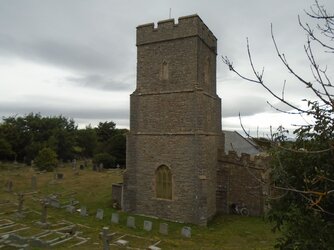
[240, 181]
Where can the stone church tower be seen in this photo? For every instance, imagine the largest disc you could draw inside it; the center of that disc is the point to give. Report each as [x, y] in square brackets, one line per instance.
[175, 123]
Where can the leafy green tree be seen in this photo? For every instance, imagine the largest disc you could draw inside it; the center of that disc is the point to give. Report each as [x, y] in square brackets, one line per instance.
[117, 146]
[303, 171]
[46, 159]
[6, 152]
[105, 130]
[87, 140]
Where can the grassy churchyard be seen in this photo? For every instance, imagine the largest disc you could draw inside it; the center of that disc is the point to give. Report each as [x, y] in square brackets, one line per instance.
[64, 226]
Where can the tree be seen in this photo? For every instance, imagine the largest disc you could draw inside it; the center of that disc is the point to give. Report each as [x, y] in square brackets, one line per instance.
[46, 159]
[87, 141]
[303, 170]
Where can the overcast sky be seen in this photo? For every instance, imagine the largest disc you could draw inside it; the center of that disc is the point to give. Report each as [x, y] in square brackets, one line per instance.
[77, 58]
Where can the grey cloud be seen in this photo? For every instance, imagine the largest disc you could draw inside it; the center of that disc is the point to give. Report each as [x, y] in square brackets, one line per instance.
[75, 112]
[104, 82]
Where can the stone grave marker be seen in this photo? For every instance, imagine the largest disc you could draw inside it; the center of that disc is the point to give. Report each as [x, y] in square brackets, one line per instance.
[82, 167]
[74, 164]
[100, 168]
[99, 214]
[70, 209]
[106, 237]
[83, 211]
[20, 198]
[115, 218]
[163, 228]
[44, 213]
[186, 232]
[147, 225]
[54, 202]
[130, 222]
[9, 186]
[33, 182]
[59, 176]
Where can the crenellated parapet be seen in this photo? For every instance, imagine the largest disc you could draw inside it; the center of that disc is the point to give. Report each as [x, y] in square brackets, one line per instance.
[187, 26]
[257, 161]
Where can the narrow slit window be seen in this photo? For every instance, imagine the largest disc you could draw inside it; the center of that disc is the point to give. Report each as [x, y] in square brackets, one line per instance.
[164, 71]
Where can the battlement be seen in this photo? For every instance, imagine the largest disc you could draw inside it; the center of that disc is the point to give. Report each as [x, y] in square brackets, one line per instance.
[187, 26]
[257, 161]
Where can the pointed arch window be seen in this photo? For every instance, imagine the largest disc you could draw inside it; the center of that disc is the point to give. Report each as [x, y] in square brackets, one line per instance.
[163, 181]
[164, 74]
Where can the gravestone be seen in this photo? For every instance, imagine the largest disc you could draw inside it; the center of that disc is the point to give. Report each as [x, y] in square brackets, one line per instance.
[54, 202]
[33, 182]
[83, 211]
[74, 164]
[44, 213]
[186, 232]
[106, 237]
[147, 225]
[130, 222]
[9, 186]
[100, 168]
[59, 176]
[163, 228]
[82, 167]
[99, 214]
[70, 209]
[115, 218]
[20, 197]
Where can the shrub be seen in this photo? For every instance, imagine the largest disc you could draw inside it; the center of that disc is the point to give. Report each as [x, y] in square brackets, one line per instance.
[46, 159]
[106, 159]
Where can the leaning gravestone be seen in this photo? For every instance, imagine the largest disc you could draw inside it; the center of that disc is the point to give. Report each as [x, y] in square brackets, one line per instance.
[99, 214]
[115, 218]
[186, 232]
[131, 222]
[163, 228]
[147, 225]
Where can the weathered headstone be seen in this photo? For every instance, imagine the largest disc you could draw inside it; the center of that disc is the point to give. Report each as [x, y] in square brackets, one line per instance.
[44, 213]
[163, 228]
[115, 218]
[100, 167]
[59, 176]
[82, 167]
[54, 202]
[130, 222]
[99, 214]
[70, 209]
[74, 164]
[83, 211]
[9, 186]
[106, 237]
[20, 198]
[186, 232]
[147, 225]
[33, 182]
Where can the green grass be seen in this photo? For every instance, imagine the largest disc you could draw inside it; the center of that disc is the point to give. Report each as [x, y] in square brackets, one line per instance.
[93, 189]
